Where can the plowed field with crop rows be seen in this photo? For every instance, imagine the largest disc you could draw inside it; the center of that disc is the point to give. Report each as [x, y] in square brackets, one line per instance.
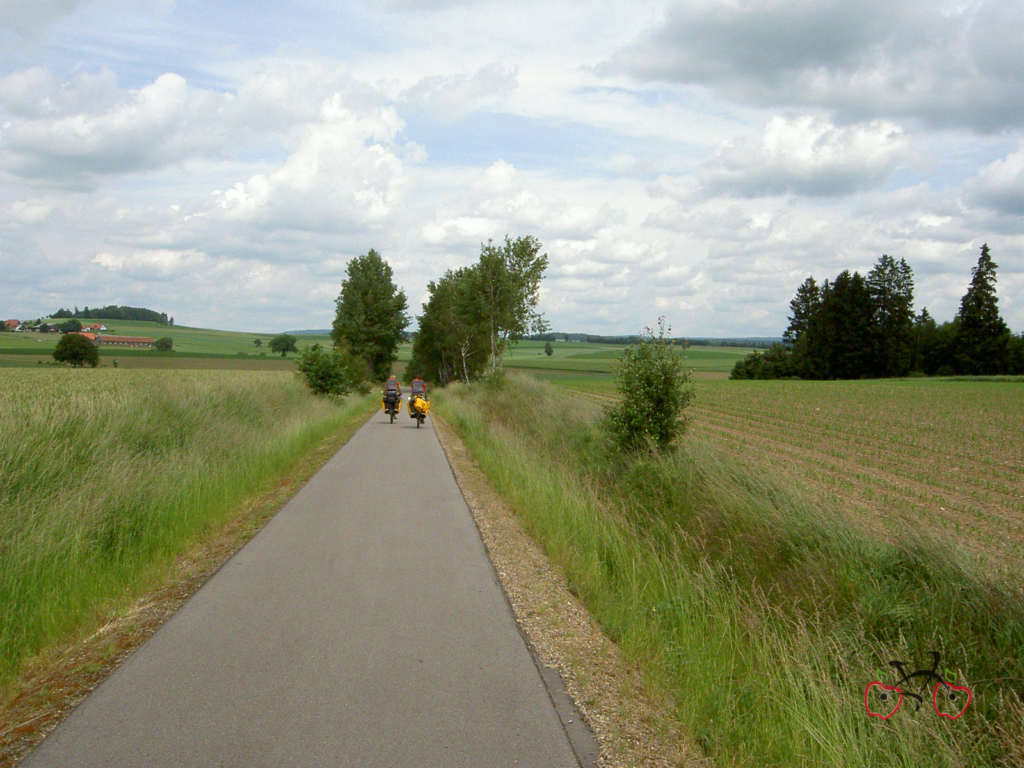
[942, 458]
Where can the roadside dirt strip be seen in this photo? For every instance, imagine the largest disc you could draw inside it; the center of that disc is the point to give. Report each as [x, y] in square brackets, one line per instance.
[363, 626]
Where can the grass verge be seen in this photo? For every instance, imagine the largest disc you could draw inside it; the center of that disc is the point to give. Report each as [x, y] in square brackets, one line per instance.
[760, 613]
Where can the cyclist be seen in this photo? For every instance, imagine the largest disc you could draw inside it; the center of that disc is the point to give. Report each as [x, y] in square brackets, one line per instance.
[392, 391]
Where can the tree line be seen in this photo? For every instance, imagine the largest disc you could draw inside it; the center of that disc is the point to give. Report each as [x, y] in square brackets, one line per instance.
[115, 312]
[865, 327]
[472, 313]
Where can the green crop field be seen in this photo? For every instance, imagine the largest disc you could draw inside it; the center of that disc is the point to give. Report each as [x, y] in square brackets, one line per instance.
[599, 360]
[186, 340]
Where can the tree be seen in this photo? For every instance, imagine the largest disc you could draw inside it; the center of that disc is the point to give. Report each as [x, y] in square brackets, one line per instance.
[803, 306]
[76, 349]
[164, 344]
[548, 349]
[1016, 356]
[507, 291]
[891, 287]
[839, 334]
[71, 326]
[283, 343]
[982, 337]
[452, 341]
[656, 388]
[370, 313]
[258, 342]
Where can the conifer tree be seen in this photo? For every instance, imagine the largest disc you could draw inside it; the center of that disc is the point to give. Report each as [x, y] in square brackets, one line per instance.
[891, 286]
[982, 338]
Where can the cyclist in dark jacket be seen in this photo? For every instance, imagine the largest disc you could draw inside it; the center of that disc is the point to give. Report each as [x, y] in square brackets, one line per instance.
[392, 391]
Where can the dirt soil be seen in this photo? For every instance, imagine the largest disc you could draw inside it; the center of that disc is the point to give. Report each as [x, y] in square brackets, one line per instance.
[633, 727]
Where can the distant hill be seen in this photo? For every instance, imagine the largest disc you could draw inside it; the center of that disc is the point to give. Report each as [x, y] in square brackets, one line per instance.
[313, 332]
[115, 312]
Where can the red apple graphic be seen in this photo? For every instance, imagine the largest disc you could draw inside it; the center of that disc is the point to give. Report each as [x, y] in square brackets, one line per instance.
[956, 698]
[886, 696]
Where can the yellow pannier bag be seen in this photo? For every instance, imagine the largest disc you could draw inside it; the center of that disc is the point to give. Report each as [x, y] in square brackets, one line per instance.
[421, 405]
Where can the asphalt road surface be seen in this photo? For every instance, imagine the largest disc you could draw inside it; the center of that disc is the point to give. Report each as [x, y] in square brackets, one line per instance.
[363, 626]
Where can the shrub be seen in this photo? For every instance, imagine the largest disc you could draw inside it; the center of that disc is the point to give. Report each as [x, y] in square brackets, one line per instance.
[331, 372]
[164, 344]
[656, 388]
[77, 350]
[776, 363]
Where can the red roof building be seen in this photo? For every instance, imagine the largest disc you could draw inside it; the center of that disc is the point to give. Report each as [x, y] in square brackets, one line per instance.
[11, 324]
[125, 341]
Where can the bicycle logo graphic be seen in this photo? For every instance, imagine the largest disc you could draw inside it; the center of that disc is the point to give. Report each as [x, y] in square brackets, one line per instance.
[949, 700]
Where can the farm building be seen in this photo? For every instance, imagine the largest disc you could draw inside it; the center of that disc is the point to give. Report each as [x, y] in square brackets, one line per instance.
[125, 341]
[12, 325]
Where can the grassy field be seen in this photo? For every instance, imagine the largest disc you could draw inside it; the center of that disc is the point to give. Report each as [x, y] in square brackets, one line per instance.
[750, 601]
[579, 362]
[106, 476]
[186, 340]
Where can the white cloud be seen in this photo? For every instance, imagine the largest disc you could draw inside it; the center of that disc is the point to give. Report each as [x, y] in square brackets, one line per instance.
[30, 211]
[66, 138]
[943, 63]
[343, 173]
[807, 155]
[452, 97]
[1000, 184]
[30, 17]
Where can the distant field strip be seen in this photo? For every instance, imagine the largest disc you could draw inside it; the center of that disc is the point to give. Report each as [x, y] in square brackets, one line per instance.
[943, 457]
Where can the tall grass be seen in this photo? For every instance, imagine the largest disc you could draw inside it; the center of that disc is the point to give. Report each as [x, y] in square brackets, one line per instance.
[762, 615]
[106, 475]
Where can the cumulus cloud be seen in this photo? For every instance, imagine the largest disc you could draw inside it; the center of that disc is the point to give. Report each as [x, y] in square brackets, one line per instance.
[343, 173]
[1000, 185]
[809, 156]
[29, 18]
[35, 93]
[945, 64]
[70, 138]
[452, 97]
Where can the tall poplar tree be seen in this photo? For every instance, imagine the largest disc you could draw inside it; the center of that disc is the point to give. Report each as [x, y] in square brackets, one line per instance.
[982, 337]
[507, 291]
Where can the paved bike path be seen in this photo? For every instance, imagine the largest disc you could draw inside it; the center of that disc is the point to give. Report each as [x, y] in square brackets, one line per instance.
[363, 627]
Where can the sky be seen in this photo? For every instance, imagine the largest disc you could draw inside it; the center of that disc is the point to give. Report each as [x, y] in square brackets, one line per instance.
[223, 161]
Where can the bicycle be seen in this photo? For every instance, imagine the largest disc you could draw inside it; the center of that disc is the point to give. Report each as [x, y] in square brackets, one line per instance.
[953, 693]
